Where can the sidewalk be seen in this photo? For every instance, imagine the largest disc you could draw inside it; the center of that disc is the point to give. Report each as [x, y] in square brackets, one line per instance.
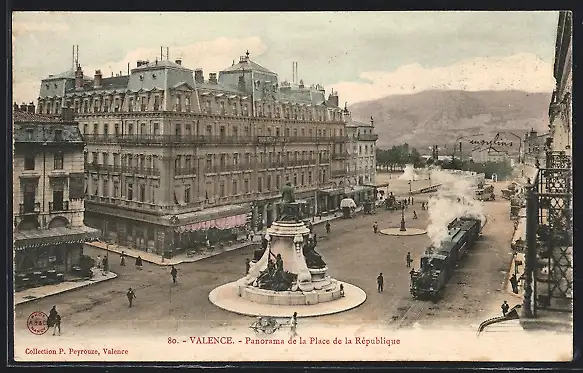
[184, 258]
[40, 292]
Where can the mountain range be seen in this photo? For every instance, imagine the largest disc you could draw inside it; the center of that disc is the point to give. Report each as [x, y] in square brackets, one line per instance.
[441, 117]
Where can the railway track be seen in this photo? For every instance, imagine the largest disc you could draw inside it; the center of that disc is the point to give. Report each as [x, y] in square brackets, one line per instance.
[411, 314]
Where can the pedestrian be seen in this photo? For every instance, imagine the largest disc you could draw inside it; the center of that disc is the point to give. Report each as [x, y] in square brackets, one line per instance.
[414, 214]
[380, 282]
[341, 290]
[505, 308]
[294, 325]
[105, 264]
[409, 260]
[54, 320]
[315, 239]
[327, 227]
[139, 262]
[122, 261]
[247, 266]
[162, 258]
[174, 273]
[98, 262]
[131, 296]
[412, 200]
[375, 227]
[514, 283]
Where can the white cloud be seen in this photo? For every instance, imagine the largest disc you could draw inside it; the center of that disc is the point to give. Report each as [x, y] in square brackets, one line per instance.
[524, 71]
[19, 27]
[211, 56]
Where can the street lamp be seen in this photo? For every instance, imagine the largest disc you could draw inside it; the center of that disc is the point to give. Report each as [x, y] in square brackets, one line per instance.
[410, 191]
[402, 229]
[173, 221]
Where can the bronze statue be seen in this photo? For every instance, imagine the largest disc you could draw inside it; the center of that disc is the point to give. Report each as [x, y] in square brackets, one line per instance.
[313, 259]
[287, 193]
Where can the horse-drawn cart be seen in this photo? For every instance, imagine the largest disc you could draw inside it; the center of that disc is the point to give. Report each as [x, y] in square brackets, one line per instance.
[266, 325]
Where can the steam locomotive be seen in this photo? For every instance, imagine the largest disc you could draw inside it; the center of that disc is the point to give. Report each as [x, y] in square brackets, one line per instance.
[437, 264]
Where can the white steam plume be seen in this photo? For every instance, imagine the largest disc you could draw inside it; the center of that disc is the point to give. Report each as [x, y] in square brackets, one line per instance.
[454, 199]
[409, 173]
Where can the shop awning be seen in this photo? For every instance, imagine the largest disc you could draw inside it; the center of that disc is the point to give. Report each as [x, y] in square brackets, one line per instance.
[54, 236]
[221, 217]
[380, 185]
[220, 223]
[332, 191]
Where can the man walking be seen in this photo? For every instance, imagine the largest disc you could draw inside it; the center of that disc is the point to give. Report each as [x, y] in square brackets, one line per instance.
[375, 227]
[54, 320]
[380, 282]
[131, 296]
[293, 325]
[327, 227]
[122, 259]
[505, 308]
[409, 260]
[174, 273]
[247, 266]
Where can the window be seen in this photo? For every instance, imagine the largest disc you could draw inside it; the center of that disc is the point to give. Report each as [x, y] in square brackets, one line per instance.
[268, 183]
[106, 129]
[156, 128]
[156, 102]
[116, 129]
[29, 197]
[105, 158]
[142, 192]
[259, 185]
[246, 186]
[222, 189]
[235, 192]
[130, 191]
[278, 182]
[234, 109]
[187, 129]
[142, 128]
[188, 162]
[130, 128]
[105, 187]
[187, 194]
[178, 129]
[58, 161]
[29, 162]
[96, 129]
[154, 194]
[222, 107]
[58, 193]
[209, 130]
[85, 128]
[209, 161]
[302, 179]
[310, 177]
[177, 162]
[116, 189]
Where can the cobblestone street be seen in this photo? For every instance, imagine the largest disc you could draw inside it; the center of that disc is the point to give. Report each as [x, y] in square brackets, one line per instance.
[353, 253]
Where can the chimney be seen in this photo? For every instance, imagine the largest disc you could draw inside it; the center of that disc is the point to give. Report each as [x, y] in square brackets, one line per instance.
[31, 108]
[178, 62]
[213, 78]
[198, 77]
[23, 107]
[79, 78]
[97, 79]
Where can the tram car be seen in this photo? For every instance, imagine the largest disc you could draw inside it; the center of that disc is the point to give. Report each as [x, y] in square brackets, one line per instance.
[437, 264]
[485, 193]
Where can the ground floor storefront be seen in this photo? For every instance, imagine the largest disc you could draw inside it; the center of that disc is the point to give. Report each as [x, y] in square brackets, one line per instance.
[171, 235]
[50, 255]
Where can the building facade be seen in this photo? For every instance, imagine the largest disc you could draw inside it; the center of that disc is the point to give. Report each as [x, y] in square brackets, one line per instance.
[170, 154]
[361, 151]
[534, 146]
[48, 204]
[484, 155]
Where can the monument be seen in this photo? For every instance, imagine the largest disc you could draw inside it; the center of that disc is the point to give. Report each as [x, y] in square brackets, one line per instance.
[287, 271]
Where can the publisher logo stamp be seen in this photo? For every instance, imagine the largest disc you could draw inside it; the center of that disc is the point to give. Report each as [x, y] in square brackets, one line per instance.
[38, 323]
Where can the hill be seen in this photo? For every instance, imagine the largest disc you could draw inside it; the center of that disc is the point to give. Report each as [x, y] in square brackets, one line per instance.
[440, 117]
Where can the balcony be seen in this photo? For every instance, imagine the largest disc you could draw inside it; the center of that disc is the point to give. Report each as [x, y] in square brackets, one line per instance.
[339, 173]
[340, 156]
[172, 140]
[299, 162]
[57, 207]
[229, 168]
[368, 137]
[30, 208]
[185, 171]
[148, 171]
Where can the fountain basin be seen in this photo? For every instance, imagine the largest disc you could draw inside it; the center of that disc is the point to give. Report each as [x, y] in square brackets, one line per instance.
[329, 291]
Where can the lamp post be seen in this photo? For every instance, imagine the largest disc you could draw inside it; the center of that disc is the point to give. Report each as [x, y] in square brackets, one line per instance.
[410, 190]
[402, 229]
[173, 222]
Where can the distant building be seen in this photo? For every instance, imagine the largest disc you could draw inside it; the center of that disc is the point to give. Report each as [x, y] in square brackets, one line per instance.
[361, 150]
[484, 155]
[48, 191]
[171, 156]
[534, 147]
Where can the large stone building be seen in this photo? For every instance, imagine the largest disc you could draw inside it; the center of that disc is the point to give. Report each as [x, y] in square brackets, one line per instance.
[361, 150]
[48, 191]
[533, 147]
[560, 110]
[171, 155]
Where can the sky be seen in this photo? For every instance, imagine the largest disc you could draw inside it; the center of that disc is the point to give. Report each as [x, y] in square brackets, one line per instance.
[362, 55]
